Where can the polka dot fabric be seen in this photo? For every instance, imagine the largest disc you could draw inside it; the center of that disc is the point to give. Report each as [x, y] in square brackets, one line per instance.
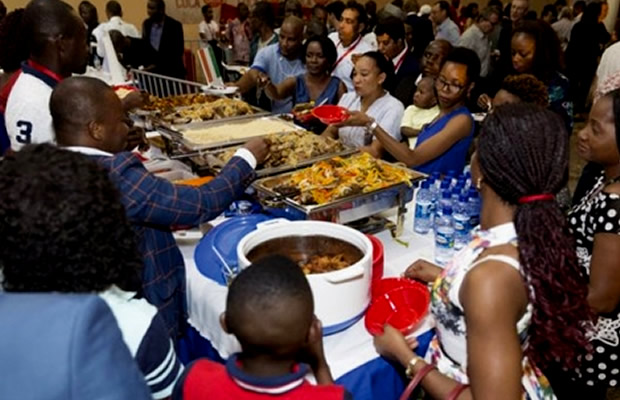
[598, 212]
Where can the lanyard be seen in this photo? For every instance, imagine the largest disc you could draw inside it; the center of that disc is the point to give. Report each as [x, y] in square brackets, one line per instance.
[400, 62]
[45, 70]
[349, 50]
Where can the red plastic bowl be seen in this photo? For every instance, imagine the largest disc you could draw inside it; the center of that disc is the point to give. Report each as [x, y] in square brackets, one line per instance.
[329, 114]
[377, 261]
[403, 306]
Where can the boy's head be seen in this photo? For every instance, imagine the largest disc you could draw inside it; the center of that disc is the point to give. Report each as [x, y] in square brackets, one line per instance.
[207, 13]
[424, 96]
[270, 309]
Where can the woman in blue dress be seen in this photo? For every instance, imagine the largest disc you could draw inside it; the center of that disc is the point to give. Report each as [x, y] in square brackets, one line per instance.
[443, 144]
[316, 84]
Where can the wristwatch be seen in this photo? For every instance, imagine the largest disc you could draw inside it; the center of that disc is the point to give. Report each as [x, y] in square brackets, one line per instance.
[410, 365]
[370, 128]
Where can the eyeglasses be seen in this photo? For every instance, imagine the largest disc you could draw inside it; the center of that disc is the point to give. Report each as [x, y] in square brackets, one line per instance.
[441, 83]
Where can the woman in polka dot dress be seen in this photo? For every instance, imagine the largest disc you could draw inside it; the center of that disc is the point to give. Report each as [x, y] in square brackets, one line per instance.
[595, 223]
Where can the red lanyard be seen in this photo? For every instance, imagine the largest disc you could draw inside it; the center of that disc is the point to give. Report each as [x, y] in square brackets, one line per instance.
[45, 70]
[349, 50]
[400, 62]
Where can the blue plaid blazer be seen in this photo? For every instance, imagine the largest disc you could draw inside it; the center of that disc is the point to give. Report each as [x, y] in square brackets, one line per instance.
[153, 205]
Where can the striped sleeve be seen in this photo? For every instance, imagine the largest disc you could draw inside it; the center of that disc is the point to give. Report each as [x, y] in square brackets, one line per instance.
[158, 360]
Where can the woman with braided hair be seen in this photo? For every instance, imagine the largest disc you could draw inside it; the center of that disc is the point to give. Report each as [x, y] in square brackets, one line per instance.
[514, 299]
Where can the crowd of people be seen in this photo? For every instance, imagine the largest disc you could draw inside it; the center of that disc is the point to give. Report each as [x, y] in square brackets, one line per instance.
[531, 308]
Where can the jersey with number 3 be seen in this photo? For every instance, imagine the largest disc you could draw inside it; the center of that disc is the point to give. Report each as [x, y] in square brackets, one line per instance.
[27, 117]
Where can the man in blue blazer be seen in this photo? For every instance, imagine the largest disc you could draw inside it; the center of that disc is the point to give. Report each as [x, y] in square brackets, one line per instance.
[88, 118]
[64, 347]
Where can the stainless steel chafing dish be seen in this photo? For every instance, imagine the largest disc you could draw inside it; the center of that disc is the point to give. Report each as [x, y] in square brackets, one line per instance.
[168, 117]
[209, 159]
[344, 210]
[175, 132]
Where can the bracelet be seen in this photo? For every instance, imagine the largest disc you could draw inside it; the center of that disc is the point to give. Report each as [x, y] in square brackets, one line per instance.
[416, 381]
[410, 365]
[370, 128]
[456, 392]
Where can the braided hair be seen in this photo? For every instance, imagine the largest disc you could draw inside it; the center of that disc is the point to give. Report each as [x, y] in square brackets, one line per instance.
[523, 150]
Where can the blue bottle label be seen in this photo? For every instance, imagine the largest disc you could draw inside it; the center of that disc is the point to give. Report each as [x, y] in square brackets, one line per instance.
[444, 239]
[423, 210]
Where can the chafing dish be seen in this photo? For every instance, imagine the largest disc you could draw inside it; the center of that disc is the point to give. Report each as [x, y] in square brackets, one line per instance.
[177, 133]
[343, 210]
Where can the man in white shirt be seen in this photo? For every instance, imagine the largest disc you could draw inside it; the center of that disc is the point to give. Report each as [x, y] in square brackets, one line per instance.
[445, 27]
[610, 62]
[208, 29]
[476, 38]
[348, 41]
[563, 26]
[58, 49]
[114, 12]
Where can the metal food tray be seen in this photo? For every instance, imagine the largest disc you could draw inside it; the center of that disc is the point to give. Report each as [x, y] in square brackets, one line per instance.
[215, 163]
[159, 113]
[257, 112]
[344, 210]
[175, 131]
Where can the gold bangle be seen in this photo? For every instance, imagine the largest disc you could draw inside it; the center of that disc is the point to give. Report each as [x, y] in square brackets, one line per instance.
[409, 372]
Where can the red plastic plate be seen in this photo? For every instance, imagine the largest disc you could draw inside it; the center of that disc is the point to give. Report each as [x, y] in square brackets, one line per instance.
[330, 114]
[400, 302]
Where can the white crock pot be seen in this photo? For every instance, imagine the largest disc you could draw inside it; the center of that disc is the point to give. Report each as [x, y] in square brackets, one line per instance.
[340, 297]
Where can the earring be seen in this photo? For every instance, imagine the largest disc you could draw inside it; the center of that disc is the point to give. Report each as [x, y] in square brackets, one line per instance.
[479, 184]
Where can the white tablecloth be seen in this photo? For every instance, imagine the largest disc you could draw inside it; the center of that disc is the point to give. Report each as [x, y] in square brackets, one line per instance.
[345, 350]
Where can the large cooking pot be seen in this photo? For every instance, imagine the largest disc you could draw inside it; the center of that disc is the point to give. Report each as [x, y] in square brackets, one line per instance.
[340, 297]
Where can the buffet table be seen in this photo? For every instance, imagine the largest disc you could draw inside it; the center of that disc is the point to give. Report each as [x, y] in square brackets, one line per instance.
[350, 353]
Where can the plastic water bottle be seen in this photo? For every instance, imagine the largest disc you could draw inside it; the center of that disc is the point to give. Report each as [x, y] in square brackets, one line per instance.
[467, 180]
[461, 223]
[435, 192]
[456, 193]
[444, 237]
[423, 205]
[473, 207]
[452, 175]
[444, 201]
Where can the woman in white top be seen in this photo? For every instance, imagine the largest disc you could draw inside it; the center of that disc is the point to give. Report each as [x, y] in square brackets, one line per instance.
[370, 106]
[513, 301]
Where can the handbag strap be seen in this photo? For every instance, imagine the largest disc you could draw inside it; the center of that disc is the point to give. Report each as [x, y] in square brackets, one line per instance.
[456, 392]
[416, 381]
